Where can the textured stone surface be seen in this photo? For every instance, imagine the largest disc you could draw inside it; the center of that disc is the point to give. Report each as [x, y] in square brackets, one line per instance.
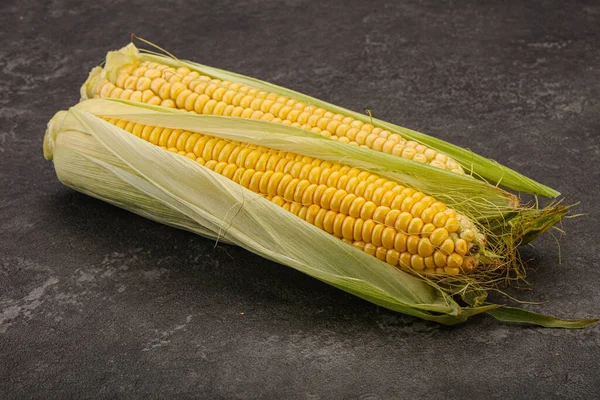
[96, 302]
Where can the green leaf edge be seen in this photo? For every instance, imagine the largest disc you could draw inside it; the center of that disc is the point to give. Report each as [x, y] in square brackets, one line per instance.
[514, 314]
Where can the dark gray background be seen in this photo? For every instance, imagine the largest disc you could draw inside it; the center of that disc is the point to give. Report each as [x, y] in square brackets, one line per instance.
[97, 302]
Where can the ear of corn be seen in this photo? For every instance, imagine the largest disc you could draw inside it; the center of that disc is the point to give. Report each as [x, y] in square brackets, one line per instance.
[217, 204]
[99, 158]
[390, 221]
[118, 76]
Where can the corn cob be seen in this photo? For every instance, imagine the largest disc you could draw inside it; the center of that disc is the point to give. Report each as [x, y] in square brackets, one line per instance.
[160, 84]
[395, 223]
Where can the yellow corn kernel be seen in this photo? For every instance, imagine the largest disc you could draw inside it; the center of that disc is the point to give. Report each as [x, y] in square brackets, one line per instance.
[415, 226]
[425, 248]
[447, 247]
[412, 244]
[427, 230]
[460, 246]
[404, 260]
[417, 262]
[403, 221]
[429, 263]
[439, 258]
[438, 236]
[440, 219]
[452, 225]
[428, 214]
[455, 260]
[452, 271]
[392, 257]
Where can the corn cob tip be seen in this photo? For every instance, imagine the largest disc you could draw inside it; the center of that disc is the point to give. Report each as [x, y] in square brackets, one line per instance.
[48, 154]
[114, 60]
[52, 130]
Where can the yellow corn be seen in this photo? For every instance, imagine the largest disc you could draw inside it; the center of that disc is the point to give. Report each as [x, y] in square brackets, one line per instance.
[181, 88]
[383, 218]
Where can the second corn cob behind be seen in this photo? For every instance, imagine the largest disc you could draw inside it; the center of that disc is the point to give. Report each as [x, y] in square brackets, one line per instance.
[145, 76]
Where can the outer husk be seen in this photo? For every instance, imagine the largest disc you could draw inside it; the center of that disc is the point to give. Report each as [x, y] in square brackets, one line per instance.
[104, 161]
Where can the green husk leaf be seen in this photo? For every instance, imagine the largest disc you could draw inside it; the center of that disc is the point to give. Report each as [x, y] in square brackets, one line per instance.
[527, 224]
[512, 314]
[480, 166]
[79, 160]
